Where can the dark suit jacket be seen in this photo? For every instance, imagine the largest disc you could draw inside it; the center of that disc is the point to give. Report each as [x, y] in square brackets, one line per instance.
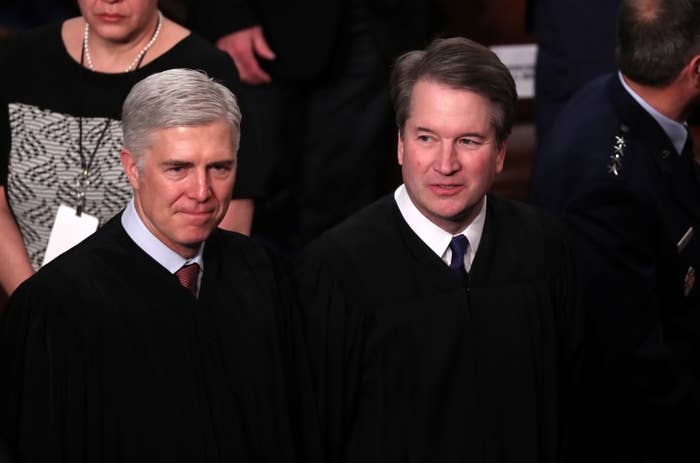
[410, 365]
[643, 304]
[306, 34]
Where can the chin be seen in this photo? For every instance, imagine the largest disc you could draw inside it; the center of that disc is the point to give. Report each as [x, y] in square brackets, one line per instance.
[452, 213]
[196, 236]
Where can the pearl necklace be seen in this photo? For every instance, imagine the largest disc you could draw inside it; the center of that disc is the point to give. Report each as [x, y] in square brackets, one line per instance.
[135, 63]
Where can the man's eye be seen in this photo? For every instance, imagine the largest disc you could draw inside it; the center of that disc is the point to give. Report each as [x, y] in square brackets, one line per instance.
[222, 168]
[424, 138]
[176, 169]
[470, 143]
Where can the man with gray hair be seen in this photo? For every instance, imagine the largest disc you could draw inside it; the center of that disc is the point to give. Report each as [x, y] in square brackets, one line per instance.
[618, 164]
[160, 337]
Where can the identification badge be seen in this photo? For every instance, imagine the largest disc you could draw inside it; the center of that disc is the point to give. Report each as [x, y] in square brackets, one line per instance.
[68, 230]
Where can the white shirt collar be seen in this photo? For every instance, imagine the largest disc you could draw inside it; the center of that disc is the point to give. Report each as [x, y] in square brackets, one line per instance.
[155, 248]
[437, 239]
[676, 132]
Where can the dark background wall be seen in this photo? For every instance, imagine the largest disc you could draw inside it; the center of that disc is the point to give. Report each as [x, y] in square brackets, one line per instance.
[501, 22]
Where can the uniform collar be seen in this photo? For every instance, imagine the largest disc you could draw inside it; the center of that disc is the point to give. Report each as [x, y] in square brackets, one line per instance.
[675, 131]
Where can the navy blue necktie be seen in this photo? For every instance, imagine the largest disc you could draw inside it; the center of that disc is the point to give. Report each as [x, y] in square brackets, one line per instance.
[458, 246]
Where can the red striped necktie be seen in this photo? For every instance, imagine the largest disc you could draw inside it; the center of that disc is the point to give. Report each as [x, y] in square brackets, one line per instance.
[188, 276]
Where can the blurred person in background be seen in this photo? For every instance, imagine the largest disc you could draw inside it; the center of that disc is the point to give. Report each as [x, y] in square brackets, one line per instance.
[575, 43]
[618, 165]
[318, 71]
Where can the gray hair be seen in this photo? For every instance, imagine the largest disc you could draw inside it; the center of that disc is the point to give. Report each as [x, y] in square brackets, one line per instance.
[656, 39]
[461, 64]
[176, 98]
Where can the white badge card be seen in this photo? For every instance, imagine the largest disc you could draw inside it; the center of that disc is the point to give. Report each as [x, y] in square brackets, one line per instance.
[68, 230]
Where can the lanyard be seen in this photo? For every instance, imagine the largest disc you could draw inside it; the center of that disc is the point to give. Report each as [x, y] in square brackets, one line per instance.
[83, 180]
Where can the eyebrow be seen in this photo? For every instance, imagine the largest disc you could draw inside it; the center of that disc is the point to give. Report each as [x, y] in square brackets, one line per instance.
[175, 162]
[223, 163]
[178, 162]
[467, 134]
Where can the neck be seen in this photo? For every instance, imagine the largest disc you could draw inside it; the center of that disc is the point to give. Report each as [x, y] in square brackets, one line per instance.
[458, 224]
[111, 56]
[186, 251]
[668, 100]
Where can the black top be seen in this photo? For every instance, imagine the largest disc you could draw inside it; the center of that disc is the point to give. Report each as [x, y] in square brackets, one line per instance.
[106, 357]
[410, 365]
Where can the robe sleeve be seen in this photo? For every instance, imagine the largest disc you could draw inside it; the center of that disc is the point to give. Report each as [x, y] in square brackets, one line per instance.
[334, 332]
[295, 362]
[46, 389]
[566, 290]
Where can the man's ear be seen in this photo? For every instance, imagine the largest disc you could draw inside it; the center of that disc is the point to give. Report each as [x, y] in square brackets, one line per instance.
[501, 157]
[130, 168]
[695, 71]
[399, 147]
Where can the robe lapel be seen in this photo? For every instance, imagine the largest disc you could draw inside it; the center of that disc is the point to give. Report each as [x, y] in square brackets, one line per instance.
[482, 266]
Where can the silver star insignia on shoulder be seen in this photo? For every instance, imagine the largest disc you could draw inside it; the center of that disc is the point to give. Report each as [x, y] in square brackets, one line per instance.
[620, 143]
[615, 166]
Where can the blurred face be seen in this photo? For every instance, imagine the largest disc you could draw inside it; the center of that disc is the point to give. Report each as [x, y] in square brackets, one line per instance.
[120, 21]
[184, 185]
[448, 154]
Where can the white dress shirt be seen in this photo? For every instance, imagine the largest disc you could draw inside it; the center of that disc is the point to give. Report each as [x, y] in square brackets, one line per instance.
[437, 239]
[154, 247]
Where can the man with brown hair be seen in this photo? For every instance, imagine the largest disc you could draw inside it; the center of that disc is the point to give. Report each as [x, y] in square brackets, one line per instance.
[441, 320]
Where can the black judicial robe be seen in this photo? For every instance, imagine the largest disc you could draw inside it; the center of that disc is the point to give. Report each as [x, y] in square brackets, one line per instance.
[409, 365]
[105, 357]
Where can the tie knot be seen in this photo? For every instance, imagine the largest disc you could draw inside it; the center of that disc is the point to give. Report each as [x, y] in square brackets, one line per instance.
[188, 275]
[458, 246]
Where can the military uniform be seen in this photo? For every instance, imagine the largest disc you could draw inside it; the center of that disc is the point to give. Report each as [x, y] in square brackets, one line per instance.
[614, 173]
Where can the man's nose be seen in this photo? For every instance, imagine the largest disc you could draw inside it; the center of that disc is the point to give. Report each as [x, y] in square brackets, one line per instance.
[447, 162]
[200, 187]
